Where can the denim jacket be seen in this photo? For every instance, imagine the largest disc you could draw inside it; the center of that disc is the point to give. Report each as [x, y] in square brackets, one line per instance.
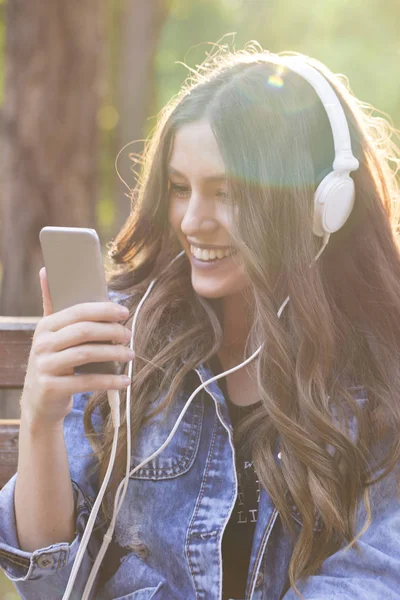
[167, 541]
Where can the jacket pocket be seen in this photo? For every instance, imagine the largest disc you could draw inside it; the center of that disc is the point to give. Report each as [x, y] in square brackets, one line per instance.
[144, 594]
[179, 454]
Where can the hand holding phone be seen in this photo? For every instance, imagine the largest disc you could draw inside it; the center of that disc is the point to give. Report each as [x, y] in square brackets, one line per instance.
[65, 340]
[75, 272]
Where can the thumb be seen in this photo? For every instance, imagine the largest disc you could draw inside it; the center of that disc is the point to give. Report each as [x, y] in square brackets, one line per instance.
[47, 305]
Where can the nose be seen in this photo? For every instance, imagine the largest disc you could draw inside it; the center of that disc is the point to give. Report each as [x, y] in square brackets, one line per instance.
[198, 216]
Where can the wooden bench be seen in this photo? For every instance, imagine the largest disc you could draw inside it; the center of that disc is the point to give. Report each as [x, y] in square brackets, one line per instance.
[15, 343]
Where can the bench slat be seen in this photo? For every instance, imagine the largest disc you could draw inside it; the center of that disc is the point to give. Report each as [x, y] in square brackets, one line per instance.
[9, 431]
[16, 335]
[15, 344]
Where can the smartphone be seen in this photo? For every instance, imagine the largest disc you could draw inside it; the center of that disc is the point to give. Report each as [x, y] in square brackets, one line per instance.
[75, 274]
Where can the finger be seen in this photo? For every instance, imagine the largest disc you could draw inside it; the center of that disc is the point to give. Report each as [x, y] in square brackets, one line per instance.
[87, 331]
[47, 305]
[76, 384]
[87, 311]
[88, 353]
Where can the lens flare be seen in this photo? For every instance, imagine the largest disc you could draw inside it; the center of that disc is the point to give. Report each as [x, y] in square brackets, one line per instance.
[276, 79]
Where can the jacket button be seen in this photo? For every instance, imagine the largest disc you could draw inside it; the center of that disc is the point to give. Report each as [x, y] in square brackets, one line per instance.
[259, 579]
[45, 561]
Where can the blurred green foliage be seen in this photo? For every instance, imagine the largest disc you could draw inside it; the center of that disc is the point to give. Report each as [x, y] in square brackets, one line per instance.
[357, 38]
[7, 590]
[354, 37]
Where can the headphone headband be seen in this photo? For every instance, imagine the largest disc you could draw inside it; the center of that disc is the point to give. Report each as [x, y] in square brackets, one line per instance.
[335, 195]
[344, 157]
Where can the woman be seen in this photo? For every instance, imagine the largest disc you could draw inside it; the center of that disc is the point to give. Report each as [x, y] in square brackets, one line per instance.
[281, 479]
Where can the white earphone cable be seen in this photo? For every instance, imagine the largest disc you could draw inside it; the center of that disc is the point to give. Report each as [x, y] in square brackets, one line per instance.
[122, 488]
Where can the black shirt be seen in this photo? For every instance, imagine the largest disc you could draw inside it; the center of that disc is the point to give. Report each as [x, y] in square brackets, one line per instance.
[238, 536]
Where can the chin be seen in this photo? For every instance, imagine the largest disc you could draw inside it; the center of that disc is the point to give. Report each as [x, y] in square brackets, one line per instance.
[210, 289]
[211, 294]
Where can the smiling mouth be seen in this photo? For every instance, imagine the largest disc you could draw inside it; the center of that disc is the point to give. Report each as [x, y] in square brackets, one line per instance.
[211, 255]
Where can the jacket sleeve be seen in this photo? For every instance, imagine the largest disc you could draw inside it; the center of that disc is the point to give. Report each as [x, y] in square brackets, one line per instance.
[44, 573]
[373, 573]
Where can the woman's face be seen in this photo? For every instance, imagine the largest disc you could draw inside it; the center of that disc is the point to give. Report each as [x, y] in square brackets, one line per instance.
[199, 212]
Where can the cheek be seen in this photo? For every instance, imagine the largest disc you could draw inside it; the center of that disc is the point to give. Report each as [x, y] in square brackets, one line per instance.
[176, 214]
[173, 215]
[227, 214]
[226, 221]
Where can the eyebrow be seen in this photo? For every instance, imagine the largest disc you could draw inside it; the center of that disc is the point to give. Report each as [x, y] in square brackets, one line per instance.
[209, 178]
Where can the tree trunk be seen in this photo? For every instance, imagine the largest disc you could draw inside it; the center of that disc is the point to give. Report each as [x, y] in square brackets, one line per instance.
[49, 169]
[49, 166]
[141, 26]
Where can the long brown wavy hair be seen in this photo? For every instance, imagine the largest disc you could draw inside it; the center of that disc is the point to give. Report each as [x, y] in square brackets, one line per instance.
[341, 327]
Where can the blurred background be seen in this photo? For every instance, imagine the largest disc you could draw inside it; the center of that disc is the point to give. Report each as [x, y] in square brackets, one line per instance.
[79, 80]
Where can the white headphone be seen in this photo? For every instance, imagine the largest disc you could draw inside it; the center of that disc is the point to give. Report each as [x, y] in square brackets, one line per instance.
[334, 197]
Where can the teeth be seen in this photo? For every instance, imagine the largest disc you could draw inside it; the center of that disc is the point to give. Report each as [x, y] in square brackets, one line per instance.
[209, 254]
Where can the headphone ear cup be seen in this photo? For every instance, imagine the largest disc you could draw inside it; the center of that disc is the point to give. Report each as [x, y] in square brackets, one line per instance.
[333, 203]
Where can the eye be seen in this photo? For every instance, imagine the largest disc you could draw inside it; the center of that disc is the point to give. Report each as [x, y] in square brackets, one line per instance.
[182, 191]
[179, 190]
[223, 195]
